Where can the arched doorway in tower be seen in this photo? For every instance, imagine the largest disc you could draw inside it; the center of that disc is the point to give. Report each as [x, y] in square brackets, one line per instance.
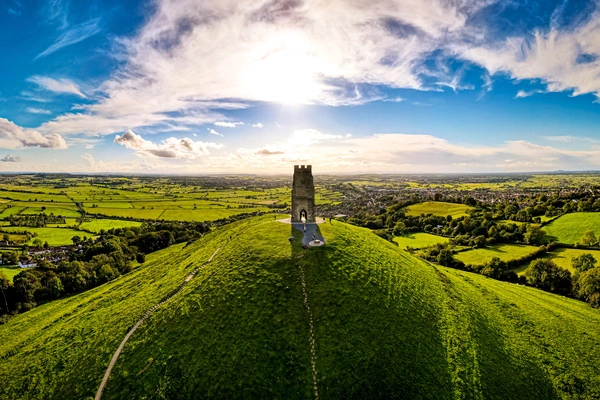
[303, 216]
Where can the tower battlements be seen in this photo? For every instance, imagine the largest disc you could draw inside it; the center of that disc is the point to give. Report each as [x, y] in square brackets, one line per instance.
[303, 168]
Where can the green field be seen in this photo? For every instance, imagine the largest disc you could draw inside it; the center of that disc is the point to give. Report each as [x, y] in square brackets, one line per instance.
[438, 208]
[98, 224]
[10, 272]
[384, 323]
[419, 240]
[141, 199]
[562, 258]
[505, 252]
[54, 236]
[569, 228]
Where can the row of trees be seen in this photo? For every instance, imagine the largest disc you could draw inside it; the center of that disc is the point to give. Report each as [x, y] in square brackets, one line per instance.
[36, 220]
[583, 284]
[542, 273]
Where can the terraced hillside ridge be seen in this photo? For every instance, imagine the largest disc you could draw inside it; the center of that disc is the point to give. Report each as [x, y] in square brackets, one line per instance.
[384, 325]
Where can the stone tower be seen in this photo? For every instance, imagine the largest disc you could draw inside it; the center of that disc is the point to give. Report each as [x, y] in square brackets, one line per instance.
[303, 194]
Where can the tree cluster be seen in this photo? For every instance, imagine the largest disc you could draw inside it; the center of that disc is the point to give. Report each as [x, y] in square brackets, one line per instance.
[36, 220]
[91, 263]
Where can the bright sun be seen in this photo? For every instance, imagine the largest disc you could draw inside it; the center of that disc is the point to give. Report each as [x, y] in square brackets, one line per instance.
[285, 73]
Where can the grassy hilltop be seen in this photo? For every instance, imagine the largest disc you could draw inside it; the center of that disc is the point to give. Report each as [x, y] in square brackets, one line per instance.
[385, 325]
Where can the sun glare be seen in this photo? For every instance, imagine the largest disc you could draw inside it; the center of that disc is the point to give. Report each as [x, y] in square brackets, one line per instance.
[285, 73]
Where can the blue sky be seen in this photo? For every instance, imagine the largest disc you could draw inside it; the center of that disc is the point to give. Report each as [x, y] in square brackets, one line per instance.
[352, 86]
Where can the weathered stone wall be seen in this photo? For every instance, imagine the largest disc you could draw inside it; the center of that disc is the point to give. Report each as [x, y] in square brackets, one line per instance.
[303, 193]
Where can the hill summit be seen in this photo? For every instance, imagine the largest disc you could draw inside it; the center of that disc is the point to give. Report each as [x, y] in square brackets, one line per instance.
[266, 318]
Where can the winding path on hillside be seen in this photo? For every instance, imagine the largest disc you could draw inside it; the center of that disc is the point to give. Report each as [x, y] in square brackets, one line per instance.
[313, 353]
[313, 357]
[132, 330]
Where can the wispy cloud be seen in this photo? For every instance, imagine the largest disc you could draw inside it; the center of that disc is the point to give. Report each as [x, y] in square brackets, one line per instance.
[256, 51]
[34, 110]
[61, 85]
[73, 35]
[524, 93]
[257, 125]
[397, 152]
[563, 58]
[248, 52]
[56, 13]
[563, 139]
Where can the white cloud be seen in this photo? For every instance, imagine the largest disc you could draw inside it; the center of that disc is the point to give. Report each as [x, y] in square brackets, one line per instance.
[88, 159]
[12, 135]
[34, 110]
[258, 125]
[61, 85]
[184, 148]
[10, 158]
[191, 57]
[228, 124]
[213, 132]
[408, 153]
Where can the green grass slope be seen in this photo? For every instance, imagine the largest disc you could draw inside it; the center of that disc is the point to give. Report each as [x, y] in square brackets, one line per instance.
[386, 325]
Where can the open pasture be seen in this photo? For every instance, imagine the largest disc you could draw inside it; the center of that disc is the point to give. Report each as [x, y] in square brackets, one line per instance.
[69, 211]
[505, 252]
[562, 258]
[34, 197]
[97, 225]
[69, 222]
[419, 240]
[147, 199]
[569, 228]
[10, 272]
[8, 211]
[438, 208]
[54, 236]
[126, 212]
